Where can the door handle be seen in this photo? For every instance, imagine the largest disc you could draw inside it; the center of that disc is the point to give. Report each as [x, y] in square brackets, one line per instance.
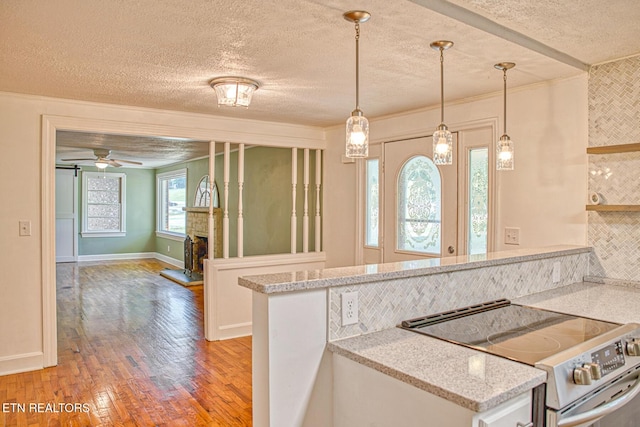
[451, 249]
[600, 411]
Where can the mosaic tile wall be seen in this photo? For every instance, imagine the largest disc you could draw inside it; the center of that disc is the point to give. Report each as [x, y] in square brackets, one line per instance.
[385, 304]
[614, 118]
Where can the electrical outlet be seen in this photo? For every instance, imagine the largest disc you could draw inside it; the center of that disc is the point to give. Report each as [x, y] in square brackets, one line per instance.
[511, 236]
[557, 269]
[349, 308]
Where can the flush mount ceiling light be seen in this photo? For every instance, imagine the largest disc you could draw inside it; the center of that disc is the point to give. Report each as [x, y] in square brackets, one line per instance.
[442, 138]
[234, 91]
[357, 136]
[504, 146]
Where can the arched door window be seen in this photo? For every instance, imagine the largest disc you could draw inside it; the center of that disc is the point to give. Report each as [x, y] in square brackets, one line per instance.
[419, 208]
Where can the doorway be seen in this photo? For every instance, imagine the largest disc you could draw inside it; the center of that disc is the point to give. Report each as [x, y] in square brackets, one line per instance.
[411, 208]
[420, 206]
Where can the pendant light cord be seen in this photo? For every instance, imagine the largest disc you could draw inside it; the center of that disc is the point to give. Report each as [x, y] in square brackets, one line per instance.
[441, 85]
[505, 101]
[357, 66]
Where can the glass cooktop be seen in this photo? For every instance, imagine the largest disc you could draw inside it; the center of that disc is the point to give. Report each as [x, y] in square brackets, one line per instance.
[524, 334]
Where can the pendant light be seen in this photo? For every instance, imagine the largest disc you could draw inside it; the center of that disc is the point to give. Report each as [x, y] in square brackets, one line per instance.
[442, 138]
[357, 135]
[504, 146]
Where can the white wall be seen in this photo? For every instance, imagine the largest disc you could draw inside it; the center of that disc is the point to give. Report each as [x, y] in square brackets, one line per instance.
[544, 196]
[24, 273]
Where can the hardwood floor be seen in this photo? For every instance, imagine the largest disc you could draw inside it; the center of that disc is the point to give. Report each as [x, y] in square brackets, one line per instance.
[131, 352]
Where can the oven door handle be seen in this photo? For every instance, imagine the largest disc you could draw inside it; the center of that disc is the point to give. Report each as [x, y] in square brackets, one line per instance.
[599, 412]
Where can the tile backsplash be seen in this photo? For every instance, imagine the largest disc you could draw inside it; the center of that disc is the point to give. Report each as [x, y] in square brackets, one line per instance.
[614, 115]
[386, 303]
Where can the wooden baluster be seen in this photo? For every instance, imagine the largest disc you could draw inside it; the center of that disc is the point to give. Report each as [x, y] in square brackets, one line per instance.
[305, 212]
[240, 189]
[294, 182]
[318, 183]
[225, 217]
[211, 231]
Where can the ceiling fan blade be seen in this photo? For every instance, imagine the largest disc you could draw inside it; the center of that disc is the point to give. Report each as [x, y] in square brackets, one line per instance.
[77, 160]
[128, 161]
[113, 163]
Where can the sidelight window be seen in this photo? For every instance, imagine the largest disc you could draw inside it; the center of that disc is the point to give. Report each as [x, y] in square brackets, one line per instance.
[478, 215]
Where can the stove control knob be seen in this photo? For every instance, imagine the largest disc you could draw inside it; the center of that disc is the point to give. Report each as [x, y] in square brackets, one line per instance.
[594, 369]
[582, 376]
[633, 347]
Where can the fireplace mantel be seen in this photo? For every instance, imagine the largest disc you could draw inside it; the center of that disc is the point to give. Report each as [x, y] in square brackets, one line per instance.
[199, 209]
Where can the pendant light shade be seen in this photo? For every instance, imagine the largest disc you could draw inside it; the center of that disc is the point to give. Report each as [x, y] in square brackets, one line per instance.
[357, 130]
[442, 138]
[504, 146]
[234, 91]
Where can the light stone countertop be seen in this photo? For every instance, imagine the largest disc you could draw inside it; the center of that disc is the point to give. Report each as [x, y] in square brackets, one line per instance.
[342, 276]
[619, 304]
[473, 379]
[469, 378]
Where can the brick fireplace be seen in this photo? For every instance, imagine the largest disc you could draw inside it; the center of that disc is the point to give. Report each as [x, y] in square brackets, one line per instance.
[196, 245]
[197, 230]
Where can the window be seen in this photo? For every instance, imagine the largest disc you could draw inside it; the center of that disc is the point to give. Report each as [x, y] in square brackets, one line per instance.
[478, 200]
[419, 208]
[103, 204]
[172, 196]
[373, 204]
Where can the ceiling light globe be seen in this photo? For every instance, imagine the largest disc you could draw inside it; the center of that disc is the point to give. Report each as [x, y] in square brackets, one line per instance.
[357, 137]
[101, 165]
[234, 91]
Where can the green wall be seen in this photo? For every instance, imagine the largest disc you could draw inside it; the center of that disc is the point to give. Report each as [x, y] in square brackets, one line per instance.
[267, 200]
[267, 205]
[140, 219]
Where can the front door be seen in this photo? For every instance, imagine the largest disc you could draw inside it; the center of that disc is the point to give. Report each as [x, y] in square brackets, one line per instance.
[420, 209]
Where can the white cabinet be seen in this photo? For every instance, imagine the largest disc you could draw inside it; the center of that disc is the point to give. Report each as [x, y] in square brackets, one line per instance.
[509, 414]
[363, 397]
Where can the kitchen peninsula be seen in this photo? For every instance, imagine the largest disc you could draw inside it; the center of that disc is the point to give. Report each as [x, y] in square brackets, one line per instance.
[304, 352]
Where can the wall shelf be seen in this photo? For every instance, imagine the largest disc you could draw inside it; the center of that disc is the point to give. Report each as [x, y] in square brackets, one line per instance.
[609, 149]
[614, 208]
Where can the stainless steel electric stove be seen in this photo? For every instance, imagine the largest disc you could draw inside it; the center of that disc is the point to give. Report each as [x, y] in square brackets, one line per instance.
[592, 366]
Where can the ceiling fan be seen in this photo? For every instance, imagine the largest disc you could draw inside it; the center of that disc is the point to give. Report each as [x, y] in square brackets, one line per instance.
[102, 159]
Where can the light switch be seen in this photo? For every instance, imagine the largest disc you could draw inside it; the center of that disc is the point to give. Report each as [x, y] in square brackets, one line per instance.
[25, 228]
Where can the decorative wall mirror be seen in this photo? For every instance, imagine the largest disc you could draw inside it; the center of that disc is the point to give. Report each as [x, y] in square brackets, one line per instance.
[203, 196]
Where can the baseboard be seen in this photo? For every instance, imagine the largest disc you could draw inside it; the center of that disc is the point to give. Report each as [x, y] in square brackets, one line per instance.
[113, 257]
[238, 330]
[140, 255]
[175, 262]
[21, 363]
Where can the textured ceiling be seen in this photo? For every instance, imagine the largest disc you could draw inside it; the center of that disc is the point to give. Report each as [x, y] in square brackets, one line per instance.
[162, 53]
[152, 152]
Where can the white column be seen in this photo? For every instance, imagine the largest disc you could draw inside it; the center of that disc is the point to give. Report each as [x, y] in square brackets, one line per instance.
[318, 183]
[240, 189]
[225, 217]
[305, 212]
[294, 182]
[211, 244]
